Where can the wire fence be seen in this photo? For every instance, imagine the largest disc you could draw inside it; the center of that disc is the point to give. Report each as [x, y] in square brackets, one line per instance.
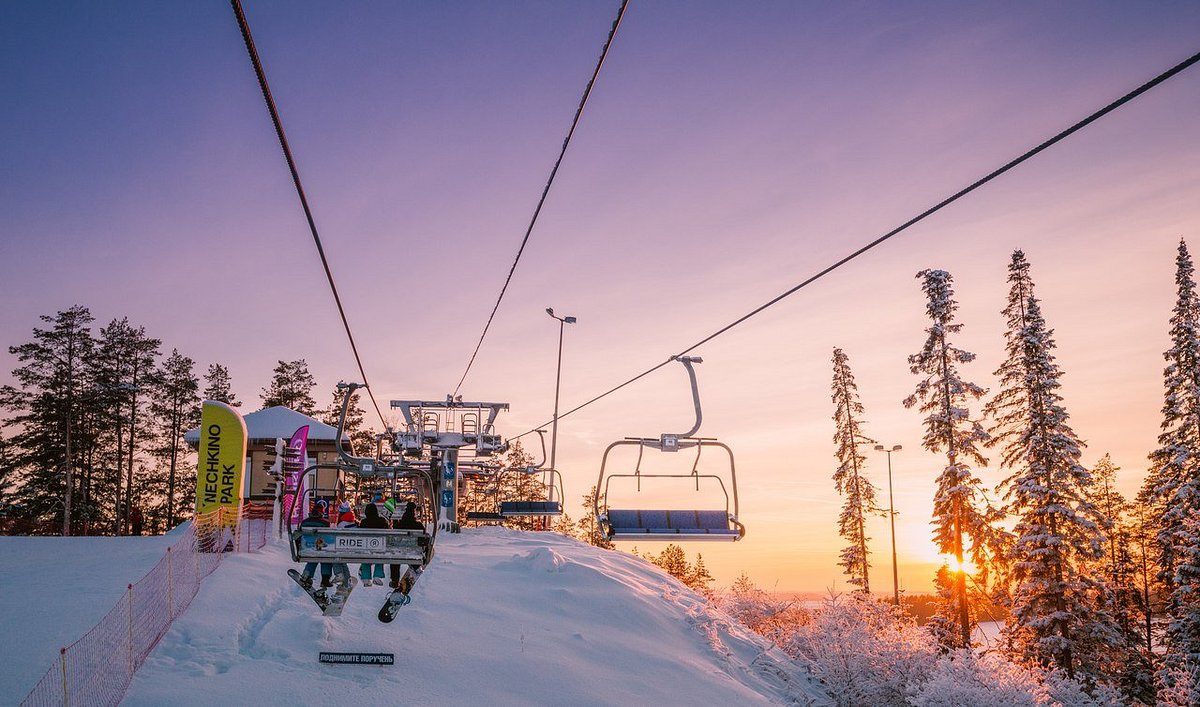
[97, 669]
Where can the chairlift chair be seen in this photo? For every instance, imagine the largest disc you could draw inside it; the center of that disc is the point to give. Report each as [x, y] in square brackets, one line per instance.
[711, 522]
[537, 508]
[370, 545]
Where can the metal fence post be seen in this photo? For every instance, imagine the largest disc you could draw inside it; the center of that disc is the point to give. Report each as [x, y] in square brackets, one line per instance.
[62, 660]
[130, 592]
[170, 587]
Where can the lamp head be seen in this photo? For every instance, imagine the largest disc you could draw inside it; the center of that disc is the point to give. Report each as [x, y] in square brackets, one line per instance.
[550, 311]
[569, 320]
[879, 447]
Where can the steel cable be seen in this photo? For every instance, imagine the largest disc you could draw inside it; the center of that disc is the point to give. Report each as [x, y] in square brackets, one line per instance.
[1178, 68]
[312, 226]
[545, 191]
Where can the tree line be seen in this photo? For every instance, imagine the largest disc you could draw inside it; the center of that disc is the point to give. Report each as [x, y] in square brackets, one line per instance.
[1083, 572]
[93, 426]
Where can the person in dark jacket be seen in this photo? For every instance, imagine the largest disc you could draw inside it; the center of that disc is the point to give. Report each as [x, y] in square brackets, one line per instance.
[367, 572]
[407, 521]
[136, 520]
[316, 519]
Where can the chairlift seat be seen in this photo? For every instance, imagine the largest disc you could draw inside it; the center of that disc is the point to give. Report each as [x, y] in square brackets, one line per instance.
[675, 524]
[371, 545]
[530, 508]
[485, 516]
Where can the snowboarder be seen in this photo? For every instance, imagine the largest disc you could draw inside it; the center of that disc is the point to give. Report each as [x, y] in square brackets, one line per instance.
[407, 521]
[367, 572]
[316, 519]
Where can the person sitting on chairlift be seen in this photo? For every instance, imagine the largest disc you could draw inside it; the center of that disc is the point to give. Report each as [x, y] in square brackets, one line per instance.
[408, 521]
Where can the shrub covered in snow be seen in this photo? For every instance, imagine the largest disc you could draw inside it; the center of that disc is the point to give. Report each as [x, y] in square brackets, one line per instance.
[869, 652]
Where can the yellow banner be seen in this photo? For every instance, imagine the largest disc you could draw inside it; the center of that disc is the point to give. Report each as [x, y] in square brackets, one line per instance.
[222, 458]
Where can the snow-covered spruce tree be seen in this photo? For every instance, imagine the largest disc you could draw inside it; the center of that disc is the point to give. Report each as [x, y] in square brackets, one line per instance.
[1123, 570]
[848, 478]
[961, 527]
[1058, 612]
[1172, 486]
[1009, 407]
[1180, 674]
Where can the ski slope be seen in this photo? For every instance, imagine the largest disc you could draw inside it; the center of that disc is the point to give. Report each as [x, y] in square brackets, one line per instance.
[500, 616]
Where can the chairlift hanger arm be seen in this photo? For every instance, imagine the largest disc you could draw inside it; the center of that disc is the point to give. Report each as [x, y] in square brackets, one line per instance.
[687, 362]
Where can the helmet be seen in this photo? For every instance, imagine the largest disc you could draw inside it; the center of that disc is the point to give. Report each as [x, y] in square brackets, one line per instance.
[321, 506]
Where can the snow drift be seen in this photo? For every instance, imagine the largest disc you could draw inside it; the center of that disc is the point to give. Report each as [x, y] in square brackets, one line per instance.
[501, 616]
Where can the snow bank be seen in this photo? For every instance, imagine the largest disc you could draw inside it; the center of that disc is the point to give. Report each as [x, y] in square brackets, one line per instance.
[500, 616]
[56, 590]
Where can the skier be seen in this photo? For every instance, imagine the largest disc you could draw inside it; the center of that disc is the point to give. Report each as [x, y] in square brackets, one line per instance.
[407, 521]
[371, 519]
[136, 520]
[316, 519]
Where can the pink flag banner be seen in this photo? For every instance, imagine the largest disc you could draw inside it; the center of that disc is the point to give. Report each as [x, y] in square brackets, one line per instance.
[294, 456]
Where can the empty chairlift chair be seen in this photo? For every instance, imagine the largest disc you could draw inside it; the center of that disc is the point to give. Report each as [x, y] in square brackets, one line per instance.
[715, 520]
[551, 505]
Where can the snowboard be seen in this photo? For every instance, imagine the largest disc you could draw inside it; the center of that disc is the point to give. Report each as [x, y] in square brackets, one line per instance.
[337, 602]
[330, 605]
[399, 596]
[312, 591]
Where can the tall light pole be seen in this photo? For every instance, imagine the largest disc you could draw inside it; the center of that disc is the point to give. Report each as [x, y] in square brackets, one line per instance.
[892, 518]
[562, 322]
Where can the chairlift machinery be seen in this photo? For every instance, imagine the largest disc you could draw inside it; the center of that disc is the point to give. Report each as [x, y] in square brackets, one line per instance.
[708, 522]
[451, 429]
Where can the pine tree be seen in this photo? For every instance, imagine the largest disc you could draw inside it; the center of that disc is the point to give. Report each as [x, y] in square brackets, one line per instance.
[673, 561]
[127, 364]
[942, 395]
[699, 579]
[848, 478]
[43, 455]
[1172, 486]
[291, 387]
[175, 409]
[1058, 607]
[219, 386]
[1123, 568]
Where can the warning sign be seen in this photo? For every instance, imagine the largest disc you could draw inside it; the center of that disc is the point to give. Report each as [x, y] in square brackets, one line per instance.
[358, 658]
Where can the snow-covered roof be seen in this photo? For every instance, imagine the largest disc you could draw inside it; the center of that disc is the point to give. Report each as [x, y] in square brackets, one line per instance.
[275, 422]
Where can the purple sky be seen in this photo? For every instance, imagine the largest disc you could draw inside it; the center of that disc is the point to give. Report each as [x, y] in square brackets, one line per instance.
[729, 151]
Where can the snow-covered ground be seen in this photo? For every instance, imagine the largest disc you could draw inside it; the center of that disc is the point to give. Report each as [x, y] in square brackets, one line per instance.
[500, 616]
[57, 589]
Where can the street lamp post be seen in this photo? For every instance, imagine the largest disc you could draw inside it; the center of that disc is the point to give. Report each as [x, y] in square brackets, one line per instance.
[562, 322]
[892, 518]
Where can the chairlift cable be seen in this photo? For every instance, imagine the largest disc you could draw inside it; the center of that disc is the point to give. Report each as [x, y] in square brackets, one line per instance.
[1169, 73]
[312, 226]
[546, 190]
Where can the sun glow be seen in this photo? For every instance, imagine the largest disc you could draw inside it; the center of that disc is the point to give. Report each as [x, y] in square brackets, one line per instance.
[955, 566]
